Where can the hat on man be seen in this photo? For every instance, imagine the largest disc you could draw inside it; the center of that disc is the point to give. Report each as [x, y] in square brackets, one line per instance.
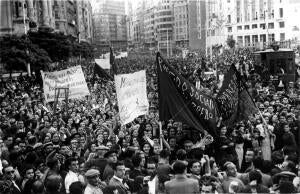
[91, 173]
[107, 154]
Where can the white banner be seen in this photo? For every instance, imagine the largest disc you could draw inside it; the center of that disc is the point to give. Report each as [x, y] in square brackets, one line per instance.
[132, 95]
[72, 78]
[104, 63]
[122, 55]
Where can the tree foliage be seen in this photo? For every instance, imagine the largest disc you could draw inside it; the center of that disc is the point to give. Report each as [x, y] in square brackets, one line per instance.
[17, 52]
[41, 48]
[59, 46]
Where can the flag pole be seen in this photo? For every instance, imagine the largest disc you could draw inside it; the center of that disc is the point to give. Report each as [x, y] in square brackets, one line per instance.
[160, 135]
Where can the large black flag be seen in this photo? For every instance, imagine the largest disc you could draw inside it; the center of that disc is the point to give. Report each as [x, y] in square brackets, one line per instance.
[182, 101]
[234, 102]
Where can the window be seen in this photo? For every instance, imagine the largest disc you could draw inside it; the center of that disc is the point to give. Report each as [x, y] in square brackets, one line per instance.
[281, 12]
[255, 38]
[282, 36]
[263, 26]
[228, 1]
[240, 40]
[262, 38]
[229, 29]
[239, 28]
[247, 27]
[56, 14]
[271, 37]
[229, 18]
[281, 24]
[56, 25]
[271, 25]
[254, 26]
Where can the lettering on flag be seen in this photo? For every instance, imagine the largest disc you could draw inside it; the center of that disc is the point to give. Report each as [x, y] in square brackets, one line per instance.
[72, 78]
[131, 95]
[182, 101]
[104, 63]
[234, 101]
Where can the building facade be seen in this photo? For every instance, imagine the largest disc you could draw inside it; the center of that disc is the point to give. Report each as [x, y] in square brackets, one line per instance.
[109, 24]
[20, 16]
[169, 26]
[252, 23]
[189, 16]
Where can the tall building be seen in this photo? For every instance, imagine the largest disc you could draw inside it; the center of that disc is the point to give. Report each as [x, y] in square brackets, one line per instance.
[168, 25]
[163, 26]
[129, 24]
[254, 23]
[67, 16]
[109, 24]
[189, 17]
[84, 20]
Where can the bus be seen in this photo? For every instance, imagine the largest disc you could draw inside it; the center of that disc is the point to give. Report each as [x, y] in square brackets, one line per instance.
[278, 62]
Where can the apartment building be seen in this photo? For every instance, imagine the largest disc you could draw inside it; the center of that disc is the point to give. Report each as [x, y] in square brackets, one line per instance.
[252, 23]
[109, 24]
[67, 16]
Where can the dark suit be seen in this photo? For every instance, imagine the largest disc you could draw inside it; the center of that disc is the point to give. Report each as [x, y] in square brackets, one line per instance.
[181, 185]
[122, 188]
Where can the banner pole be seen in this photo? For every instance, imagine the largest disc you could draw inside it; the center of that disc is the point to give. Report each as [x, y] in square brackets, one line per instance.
[160, 135]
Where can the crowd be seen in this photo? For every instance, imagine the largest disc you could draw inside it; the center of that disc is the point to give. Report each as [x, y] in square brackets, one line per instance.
[83, 148]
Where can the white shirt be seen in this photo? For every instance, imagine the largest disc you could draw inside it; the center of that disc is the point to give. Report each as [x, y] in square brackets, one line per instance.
[70, 178]
[121, 180]
[92, 190]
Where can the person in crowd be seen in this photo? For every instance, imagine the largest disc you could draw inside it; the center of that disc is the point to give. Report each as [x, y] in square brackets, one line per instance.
[255, 183]
[181, 183]
[72, 176]
[118, 180]
[93, 182]
[231, 179]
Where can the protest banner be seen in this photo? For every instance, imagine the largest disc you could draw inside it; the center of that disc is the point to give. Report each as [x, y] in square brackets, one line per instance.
[131, 95]
[234, 102]
[71, 78]
[181, 101]
[103, 63]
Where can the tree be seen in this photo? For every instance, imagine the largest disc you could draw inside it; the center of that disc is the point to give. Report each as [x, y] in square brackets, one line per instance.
[230, 42]
[61, 47]
[57, 45]
[16, 52]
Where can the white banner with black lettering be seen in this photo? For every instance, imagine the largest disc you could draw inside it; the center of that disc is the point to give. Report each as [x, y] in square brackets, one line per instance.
[132, 95]
[72, 78]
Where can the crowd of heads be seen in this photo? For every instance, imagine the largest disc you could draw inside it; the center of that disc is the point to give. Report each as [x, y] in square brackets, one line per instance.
[81, 147]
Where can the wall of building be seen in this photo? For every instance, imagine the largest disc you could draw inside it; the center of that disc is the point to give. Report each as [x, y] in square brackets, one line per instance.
[254, 23]
[110, 24]
[67, 16]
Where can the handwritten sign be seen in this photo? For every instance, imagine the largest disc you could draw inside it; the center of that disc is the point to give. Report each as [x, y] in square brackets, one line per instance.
[131, 95]
[104, 63]
[71, 78]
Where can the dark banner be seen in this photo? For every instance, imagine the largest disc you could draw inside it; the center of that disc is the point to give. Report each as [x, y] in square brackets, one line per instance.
[182, 101]
[114, 69]
[233, 100]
